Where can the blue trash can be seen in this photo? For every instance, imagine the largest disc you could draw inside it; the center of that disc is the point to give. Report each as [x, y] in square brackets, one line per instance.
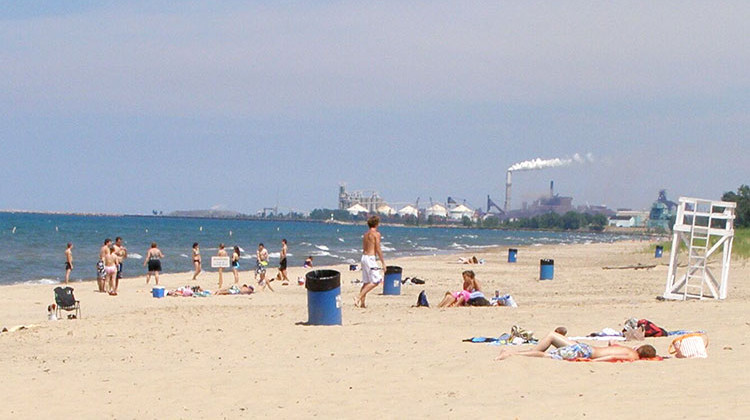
[659, 251]
[546, 269]
[512, 255]
[323, 297]
[392, 280]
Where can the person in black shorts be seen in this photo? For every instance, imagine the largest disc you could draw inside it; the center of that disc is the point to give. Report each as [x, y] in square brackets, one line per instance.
[68, 261]
[282, 263]
[121, 253]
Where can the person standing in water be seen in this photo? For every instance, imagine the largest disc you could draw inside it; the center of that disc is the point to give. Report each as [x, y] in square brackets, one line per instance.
[372, 275]
[196, 260]
[68, 261]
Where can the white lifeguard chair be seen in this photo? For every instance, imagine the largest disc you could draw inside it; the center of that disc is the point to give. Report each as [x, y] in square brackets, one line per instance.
[704, 226]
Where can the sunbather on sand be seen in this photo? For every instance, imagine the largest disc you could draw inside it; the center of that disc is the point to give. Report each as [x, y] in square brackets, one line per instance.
[567, 349]
[234, 290]
[460, 298]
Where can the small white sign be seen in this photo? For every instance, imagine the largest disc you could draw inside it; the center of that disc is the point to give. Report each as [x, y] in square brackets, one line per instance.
[219, 262]
[396, 284]
[338, 301]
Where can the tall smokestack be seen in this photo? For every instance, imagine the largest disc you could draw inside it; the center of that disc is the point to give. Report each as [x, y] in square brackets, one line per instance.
[507, 192]
[551, 189]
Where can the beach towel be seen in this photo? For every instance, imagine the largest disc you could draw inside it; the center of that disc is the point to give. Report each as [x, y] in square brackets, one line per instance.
[649, 359]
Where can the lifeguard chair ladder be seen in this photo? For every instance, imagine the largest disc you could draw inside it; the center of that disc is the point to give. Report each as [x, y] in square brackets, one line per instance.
[704, 226]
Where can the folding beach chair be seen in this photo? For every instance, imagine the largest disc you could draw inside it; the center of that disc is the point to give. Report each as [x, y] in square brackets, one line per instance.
[66, 301]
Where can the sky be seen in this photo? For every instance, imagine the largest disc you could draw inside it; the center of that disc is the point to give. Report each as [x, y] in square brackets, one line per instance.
[126, 107]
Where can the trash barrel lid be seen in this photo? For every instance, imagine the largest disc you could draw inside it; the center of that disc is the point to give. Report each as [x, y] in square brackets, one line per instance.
[547, 262]
[393, 269]
[322, 280]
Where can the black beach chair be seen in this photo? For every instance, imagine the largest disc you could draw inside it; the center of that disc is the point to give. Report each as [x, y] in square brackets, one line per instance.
[66, 301]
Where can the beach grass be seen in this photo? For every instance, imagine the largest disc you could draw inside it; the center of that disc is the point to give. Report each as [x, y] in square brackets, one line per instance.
[740, 247]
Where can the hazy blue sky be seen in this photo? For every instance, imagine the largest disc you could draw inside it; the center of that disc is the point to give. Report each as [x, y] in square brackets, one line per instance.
[131, 106]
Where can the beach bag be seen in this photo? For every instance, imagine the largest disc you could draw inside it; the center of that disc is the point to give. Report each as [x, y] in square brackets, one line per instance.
[689, 346]
[422, 299]
[651, 330]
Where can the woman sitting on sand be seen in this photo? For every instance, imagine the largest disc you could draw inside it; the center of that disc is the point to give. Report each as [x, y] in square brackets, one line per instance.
[460, 298]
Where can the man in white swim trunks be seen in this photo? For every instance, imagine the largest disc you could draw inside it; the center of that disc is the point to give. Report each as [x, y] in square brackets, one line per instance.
[372, 275]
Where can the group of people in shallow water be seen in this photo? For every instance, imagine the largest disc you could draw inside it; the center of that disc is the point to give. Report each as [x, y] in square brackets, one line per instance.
[112, 254]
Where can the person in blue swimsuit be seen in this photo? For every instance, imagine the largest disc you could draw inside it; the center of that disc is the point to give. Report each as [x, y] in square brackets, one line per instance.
[236, 264]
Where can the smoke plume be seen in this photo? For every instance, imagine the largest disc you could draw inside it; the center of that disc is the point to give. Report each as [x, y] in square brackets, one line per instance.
[538, 163]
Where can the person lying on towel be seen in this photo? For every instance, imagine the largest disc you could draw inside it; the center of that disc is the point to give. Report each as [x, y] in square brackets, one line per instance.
[567, 349]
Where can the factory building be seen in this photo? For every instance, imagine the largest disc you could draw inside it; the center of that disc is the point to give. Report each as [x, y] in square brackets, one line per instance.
[370, 200]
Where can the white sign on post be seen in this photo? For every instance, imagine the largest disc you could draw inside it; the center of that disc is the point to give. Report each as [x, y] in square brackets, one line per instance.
[219, 262]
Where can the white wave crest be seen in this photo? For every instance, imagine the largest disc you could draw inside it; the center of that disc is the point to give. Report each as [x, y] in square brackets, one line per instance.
[42, 281]
[322, 247]
[135, 255]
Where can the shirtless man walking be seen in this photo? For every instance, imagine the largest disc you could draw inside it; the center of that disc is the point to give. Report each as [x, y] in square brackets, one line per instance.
[372, 275]
[100, 273]
[121, 253]
[68, 261]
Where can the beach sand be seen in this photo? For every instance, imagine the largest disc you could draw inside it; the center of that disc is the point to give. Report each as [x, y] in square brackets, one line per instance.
[133, 356]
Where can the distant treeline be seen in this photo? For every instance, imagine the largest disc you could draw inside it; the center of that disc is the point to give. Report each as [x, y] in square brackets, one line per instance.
[742, 198]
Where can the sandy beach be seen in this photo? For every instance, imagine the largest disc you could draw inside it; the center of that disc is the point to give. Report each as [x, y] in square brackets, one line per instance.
[134, 356]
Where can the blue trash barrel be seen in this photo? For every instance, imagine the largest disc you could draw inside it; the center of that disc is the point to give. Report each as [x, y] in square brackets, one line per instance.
[323, 297]
[659, 251]
[512, 255]
[546, 269]
[392, 280]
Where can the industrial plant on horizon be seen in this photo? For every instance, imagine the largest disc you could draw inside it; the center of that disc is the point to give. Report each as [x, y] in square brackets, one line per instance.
[370, 202]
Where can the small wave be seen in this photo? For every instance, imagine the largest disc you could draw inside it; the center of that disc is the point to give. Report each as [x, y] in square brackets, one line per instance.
[247, 257]
[42, 281]
[387, 248]
[135, 255]
[322, 247]
[426, 248]
[274, 255]
[184, 255]
[480, 246]
[341, 240]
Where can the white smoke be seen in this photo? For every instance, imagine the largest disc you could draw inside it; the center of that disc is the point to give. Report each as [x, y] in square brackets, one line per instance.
[538, 163]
